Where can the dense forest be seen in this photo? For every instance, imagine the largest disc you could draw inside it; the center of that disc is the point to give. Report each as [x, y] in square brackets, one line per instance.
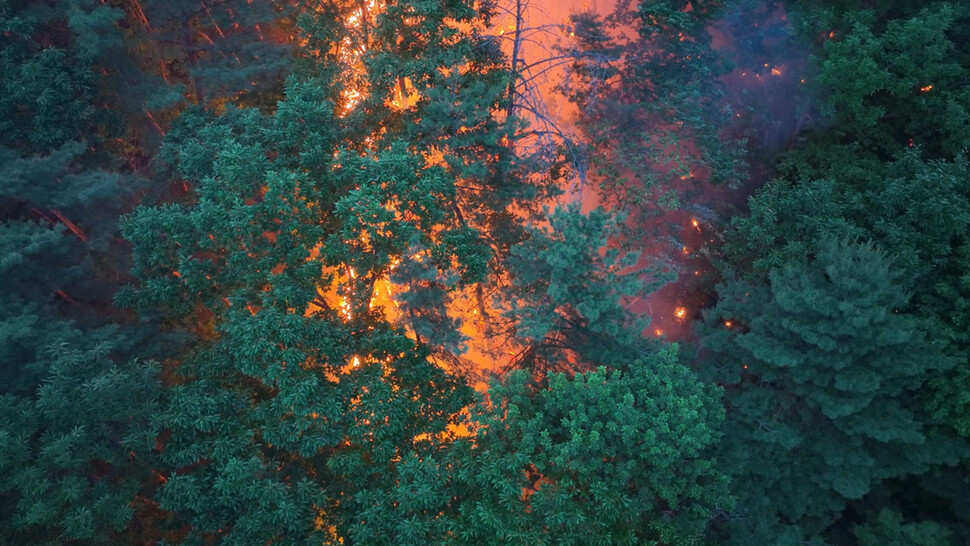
[445, 272]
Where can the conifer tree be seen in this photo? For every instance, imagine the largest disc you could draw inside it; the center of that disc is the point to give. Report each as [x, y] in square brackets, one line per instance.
[659, 119]
[77, 457]
[568, 293]
[821, 373]
[301, 394]
[603, 457]
[78, 439]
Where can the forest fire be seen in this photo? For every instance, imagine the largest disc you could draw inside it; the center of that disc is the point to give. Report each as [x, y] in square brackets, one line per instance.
[351, 55]
[335, 245]
[480, 356]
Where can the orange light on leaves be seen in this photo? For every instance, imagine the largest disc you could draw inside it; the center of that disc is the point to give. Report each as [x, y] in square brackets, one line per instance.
[353, 57]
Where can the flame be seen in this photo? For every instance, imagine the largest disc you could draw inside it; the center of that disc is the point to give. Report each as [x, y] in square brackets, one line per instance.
[353, 57]
[775, 72]
[680, 313]
[695, 223]
[405, 94]
[925, 88]
[658, 332]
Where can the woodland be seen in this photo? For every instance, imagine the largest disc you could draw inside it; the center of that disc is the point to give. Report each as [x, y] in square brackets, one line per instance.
[420, 272]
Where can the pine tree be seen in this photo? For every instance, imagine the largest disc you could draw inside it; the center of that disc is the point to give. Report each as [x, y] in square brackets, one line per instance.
[78, 439]
[76, 457]
[821, 372]
[567, 297]
[659, 120]
[605, 457]
[301, 394]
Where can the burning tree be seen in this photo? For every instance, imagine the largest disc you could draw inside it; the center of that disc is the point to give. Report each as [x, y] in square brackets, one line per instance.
[294, 219]
[314, 388]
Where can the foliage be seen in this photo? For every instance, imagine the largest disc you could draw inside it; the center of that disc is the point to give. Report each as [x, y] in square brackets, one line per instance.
[889, 86]
[821, 373]
[273, 259]
[76, 457]
[659, 119]
[570, 285]
[605, 457]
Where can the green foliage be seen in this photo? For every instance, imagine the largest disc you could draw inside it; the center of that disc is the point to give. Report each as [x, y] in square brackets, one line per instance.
[75, 457]
[58, 250]
[889, 529]
[619, 457]
[905, 85]
[892, 78]
[606, 457]
[570, 285]
[821, 373]
[918, 211]
[660, 118]
[292, 406]
[235, 50]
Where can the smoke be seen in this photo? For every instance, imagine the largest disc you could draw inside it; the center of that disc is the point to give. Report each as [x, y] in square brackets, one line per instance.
[769, 90]
[765, 100]
[758, 91]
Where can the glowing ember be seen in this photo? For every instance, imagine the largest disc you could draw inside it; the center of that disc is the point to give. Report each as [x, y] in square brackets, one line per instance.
[728, 323]
[353, 56]
[658, 332]
[925, 88]
[680, 313]
[695, 223]
[775, 72]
